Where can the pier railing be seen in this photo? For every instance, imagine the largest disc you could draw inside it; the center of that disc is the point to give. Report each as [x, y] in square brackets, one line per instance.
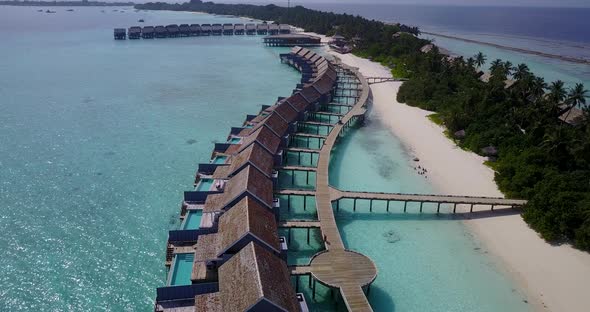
[174, 293]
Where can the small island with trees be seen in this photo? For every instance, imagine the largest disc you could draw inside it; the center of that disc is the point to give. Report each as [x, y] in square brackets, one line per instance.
[83, 3]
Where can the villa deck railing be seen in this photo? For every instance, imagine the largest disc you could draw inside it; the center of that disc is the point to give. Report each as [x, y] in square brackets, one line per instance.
[188, 236]
[173, 293]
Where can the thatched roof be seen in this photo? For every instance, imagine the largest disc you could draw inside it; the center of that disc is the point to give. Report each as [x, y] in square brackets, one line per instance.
[324, 85]
[310, 93]
[248, 182]
[208, 303]
[276, 123]
[248, 220]
[207, 247]
[298, 102]
[574, 116]
[255, 278]
[286, 111]
[265, 137]
[254, 155]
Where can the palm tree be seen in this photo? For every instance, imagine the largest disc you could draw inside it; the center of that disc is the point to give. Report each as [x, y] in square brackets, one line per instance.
[480, 59]
[521, 72]
[538, 87]
[577, 96]
[495, 65]
[557, 92]
[507, 68]
[471, 62]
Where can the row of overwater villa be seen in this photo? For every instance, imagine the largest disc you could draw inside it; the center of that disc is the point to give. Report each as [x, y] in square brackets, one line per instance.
[228, 254]
[186, 30]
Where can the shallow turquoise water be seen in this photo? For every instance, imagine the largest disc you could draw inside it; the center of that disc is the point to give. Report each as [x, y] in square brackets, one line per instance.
[424, 262]
[193, 220]
[100, 138]
[182, 269]
[204, 185]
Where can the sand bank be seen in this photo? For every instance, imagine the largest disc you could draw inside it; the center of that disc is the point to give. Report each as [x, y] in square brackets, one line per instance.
[551, 278]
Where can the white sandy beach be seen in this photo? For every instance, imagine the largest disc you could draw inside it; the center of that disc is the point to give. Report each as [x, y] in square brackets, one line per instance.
[550, 278]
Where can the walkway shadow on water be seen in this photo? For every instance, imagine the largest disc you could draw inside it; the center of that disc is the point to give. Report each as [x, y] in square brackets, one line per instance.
[348, 216]
[380, 300]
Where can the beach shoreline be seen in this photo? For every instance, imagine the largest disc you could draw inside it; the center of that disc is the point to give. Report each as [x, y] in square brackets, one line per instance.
[549, 278]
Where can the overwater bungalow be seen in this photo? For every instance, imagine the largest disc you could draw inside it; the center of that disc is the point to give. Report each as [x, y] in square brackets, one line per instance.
[253, 280]
[339, 44]
[298, 102]
[263, 136]
[173, 31]
[274, 122]
[262, 29]
[147, 32]
[206, 30]
[120, 34]
[273, 29]
[248, 182]
[284, 29]
[254, 155]
[195, 30]
[228, 29]
[216, 29]
[291, 40]
[134, 32]
[160, 32]
[239, 29]
[251, 29]
[287, 112]
[184, 30]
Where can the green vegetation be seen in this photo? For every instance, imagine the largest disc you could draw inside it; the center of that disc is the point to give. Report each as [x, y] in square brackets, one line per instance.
[540, 157]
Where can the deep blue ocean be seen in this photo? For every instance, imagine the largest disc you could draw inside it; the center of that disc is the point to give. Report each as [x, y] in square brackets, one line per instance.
[559, 31]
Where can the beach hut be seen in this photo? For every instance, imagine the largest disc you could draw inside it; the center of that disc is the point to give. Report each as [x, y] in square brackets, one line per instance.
[120, 34]
[134, 32]
[147, 32]
[216, 29]
[251, 29]
[160, 32]
[228, 29]
[262, 29]
[239, 29]
[173, 30]
[253, 280]
[184, 30]
[206, 30]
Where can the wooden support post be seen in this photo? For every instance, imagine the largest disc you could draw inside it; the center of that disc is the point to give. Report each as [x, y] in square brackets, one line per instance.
[292, 177]
[304, 202]
[338, 205]
[455, 208]
[299, 158]
[368, 289]
[405, 206]
[438, 209]
[309, 280]
[288, 203]
[471, 209]
[387, 206]
[421, 204]
[313, 290]
[493, 207]
[296, 283]
[289, 236]
[354, 205]
[308, 235]
[371, 206]
[307, 177]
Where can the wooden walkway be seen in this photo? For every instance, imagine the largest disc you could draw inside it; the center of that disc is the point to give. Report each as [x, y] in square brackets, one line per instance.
[336, 194]
[299, 224]
[296, 168]
[307, 135]
[337, 267]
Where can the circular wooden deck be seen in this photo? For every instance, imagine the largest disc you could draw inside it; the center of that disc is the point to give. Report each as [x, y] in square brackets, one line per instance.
[343, 269]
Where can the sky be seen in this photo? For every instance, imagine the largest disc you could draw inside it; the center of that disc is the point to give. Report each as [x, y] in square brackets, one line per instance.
[543, 3]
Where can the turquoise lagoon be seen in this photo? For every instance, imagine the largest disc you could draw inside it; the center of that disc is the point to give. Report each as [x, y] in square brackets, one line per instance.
[100, 138]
